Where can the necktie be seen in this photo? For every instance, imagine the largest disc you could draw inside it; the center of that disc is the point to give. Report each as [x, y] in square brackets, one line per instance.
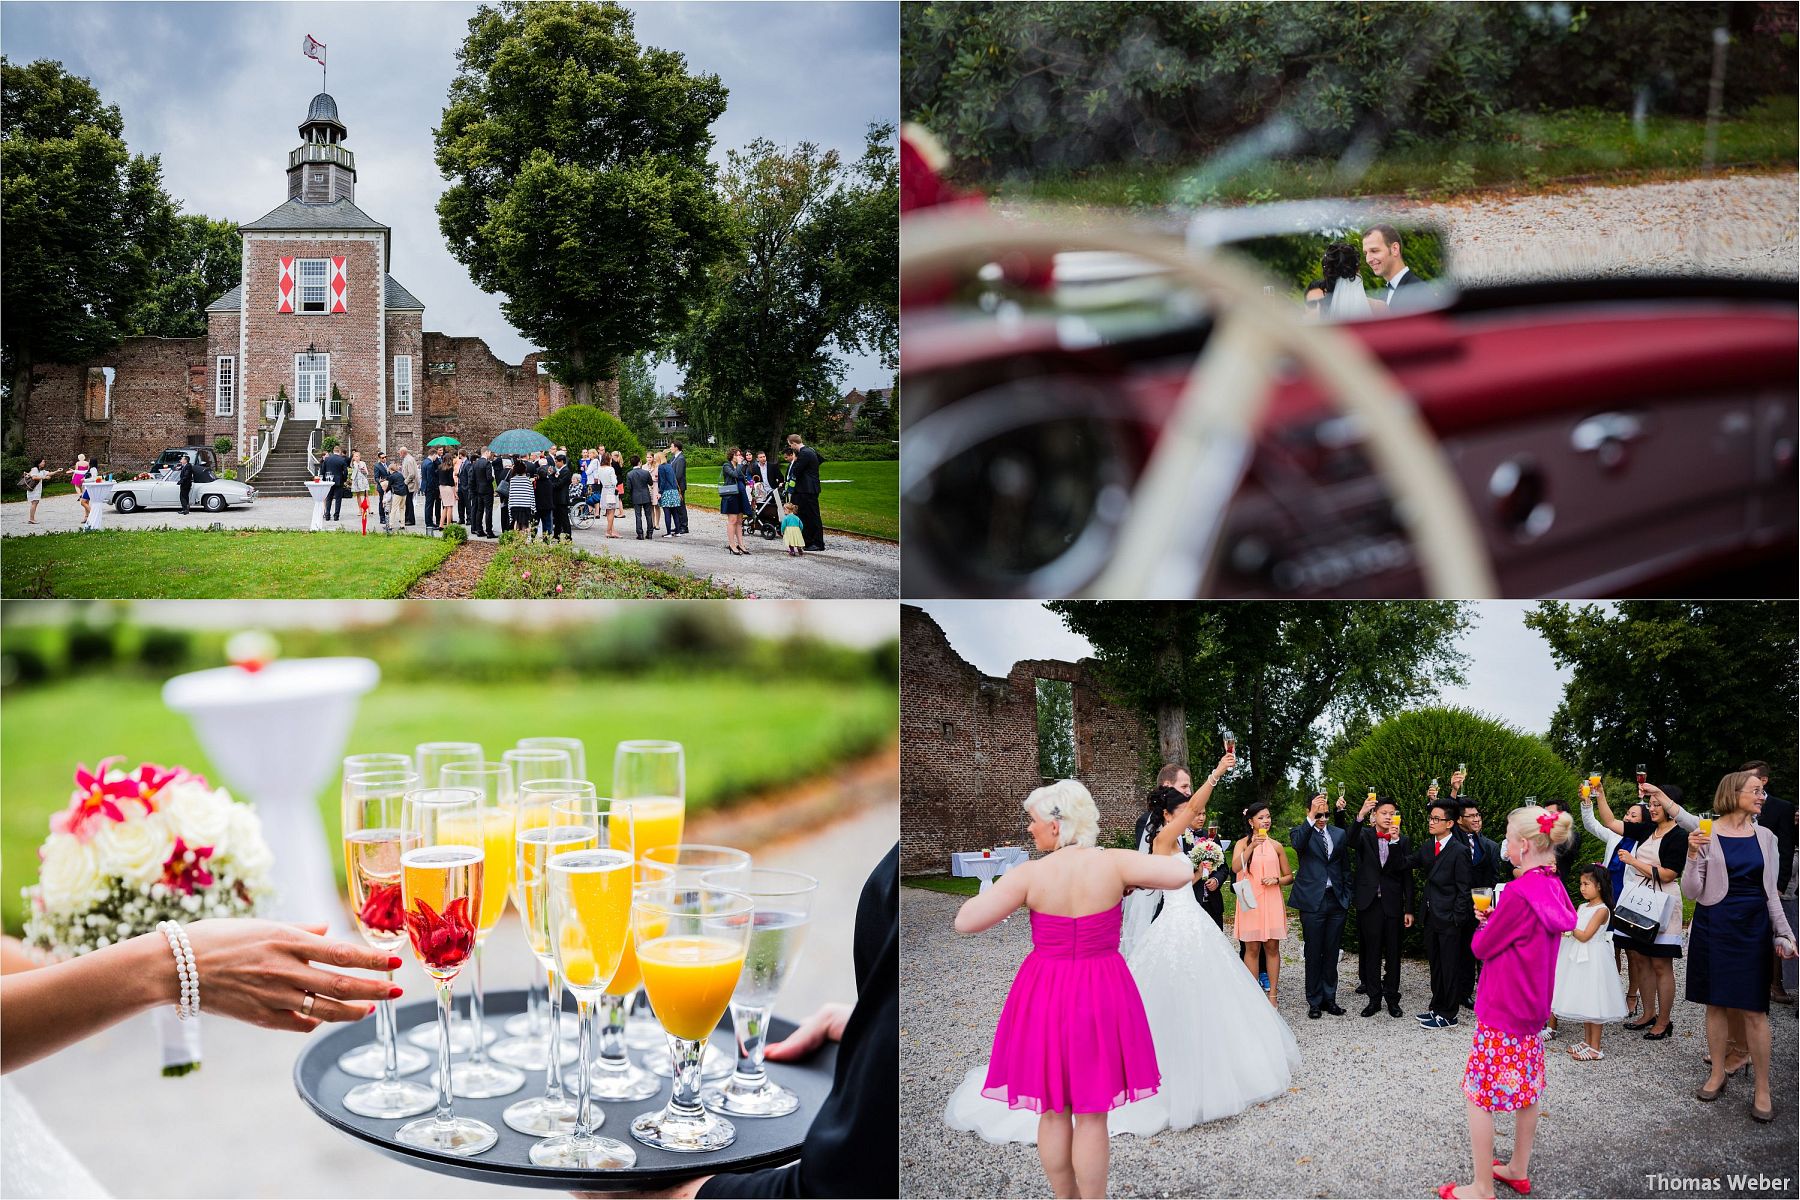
[1437, 848]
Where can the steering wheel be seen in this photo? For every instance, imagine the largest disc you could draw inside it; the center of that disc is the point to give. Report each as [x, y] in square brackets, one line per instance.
[1202, 455]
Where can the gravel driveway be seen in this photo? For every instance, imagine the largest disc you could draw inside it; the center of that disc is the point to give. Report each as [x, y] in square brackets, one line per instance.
[850, 567]
[1376, 1108]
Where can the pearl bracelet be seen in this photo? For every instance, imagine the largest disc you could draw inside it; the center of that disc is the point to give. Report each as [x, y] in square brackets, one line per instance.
[185, 971]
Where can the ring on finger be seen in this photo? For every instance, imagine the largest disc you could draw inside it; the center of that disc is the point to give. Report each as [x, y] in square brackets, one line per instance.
[306, 1005]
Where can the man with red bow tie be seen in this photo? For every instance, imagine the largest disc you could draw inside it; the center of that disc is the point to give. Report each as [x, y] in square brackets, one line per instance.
[1382, 894]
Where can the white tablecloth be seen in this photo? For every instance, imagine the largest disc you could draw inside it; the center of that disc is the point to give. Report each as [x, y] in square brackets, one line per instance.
[987, 868]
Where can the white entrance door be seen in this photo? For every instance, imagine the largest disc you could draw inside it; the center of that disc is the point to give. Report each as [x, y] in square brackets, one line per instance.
[312, 385]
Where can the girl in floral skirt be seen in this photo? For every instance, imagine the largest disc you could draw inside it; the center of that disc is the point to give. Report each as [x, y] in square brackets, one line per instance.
[1517, 944]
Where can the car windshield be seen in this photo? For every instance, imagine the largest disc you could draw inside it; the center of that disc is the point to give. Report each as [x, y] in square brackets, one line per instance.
[1349, 149]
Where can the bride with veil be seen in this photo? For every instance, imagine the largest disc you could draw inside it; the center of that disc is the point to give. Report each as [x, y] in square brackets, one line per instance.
[1345, 300]
[1219, 1043]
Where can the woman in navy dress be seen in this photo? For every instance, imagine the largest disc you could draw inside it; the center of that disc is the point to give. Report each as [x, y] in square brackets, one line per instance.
[1737, 913]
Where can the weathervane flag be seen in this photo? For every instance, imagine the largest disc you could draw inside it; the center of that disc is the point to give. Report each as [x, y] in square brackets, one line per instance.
[313, 49]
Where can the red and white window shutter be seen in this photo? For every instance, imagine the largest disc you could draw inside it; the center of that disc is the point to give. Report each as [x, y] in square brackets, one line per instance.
[286, 296]
[337, 285]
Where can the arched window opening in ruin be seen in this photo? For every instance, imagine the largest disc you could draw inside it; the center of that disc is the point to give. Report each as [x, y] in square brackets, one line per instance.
[1056, 728]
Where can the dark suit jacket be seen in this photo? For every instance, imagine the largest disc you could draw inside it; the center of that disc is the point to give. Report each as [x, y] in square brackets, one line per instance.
[334, 467]
[1486, 866]
[481, 476]
[1313, 868]
[805, 471]
[638, 485]
[563, 479]
[679, 462]
[428, 472]
[1778, 818]
[1448, 878]
[1390, 885]
[1402, 300]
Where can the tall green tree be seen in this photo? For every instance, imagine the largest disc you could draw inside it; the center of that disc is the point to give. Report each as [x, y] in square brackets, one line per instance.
[814, 273]
[1690, 688]
[201, 262]
[580, 187]
[638, 399]
[1278, 674]
[84, 220]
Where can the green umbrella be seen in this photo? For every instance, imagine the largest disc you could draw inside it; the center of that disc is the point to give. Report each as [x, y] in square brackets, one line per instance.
[446, 440]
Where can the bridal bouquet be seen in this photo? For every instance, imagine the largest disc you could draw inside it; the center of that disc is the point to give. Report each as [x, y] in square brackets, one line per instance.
[135, 848]
[1207, 854]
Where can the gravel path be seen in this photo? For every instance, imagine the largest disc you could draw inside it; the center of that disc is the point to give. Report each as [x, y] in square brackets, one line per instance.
[456, 576]
[850, 568]
[1604, 1127]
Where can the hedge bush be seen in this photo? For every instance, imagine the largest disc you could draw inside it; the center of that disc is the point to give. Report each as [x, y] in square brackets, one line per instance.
[582, 426]
[1403, 754]
[456, 534]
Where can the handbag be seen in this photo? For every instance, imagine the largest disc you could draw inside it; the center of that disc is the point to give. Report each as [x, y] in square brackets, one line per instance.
[1640, 913]
[1245, 891]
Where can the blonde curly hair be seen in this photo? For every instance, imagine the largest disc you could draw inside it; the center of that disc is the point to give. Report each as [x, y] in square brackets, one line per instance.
[1068, 803]
[1522, 827]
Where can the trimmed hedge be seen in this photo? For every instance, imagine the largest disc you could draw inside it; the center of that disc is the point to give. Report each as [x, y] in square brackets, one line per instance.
[582, 426]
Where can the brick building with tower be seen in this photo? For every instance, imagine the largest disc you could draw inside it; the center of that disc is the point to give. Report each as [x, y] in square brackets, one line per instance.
[318, 319]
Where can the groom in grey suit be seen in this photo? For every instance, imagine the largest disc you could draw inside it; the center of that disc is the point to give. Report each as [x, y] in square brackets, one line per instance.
[1386, 258]
[1321, 893]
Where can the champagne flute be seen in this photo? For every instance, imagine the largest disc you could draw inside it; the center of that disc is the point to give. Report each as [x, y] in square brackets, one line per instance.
[685, 865]
[575, 748]
[440, 883]
[538, 839]
[1483, 898]
[1643, 778]
[691, 942]
[476, 1078]
[1230, 742]
[589, 892]
[375, 837]
[429, 760]
[531, 764]
[783, 912]
[656, 773]
[369, 1061]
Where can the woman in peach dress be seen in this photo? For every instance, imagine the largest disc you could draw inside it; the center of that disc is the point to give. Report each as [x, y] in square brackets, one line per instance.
[1262, 861]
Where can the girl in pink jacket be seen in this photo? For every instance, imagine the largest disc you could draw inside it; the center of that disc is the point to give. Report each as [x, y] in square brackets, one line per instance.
[1516, 943]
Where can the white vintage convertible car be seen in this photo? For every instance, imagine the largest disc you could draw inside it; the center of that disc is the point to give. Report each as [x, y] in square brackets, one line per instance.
[163, 491]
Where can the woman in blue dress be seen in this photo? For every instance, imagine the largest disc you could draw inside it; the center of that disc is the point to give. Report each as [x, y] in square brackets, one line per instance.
[668, 495]
[1737, 913]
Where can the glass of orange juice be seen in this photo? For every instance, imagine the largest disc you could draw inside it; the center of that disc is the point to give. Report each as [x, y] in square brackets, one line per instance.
[589, 895]
[1484, 899]
[529, 1041]
[691, 941]
[653, 775]
[1706, 820]
[688, 863]
[1594, 780]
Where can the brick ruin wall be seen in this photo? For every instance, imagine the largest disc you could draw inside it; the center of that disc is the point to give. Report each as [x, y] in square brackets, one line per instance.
[969, 752]
[473, 396]
[160, 396]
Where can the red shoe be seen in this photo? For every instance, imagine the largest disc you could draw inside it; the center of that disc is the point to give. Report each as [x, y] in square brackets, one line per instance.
[1447, 1192]
[1521, 1186]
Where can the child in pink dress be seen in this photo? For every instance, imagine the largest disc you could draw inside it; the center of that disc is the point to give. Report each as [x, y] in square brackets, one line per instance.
[1517, 944]
[1072, 1042]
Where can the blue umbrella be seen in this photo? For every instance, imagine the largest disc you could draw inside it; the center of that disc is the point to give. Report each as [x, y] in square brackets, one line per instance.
[520, 441]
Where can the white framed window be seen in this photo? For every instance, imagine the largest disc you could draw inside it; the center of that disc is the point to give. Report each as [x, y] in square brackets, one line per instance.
[315, 284]
[403, 392]
[225, 386]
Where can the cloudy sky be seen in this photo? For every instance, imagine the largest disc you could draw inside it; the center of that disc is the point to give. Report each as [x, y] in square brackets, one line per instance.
[218, 90]
[1511, 676]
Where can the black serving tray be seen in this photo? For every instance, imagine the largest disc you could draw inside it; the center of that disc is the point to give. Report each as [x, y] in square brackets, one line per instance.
[761, 1141]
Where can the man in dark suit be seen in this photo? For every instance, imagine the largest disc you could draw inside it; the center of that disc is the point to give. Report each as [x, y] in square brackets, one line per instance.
[1486, 868]
[1382, 893]
[428, 484]
[336, 468]
[483, 482]
[804, 472]
[678, 460]
[639, 492]
[1321, 893]
[184, 479]
[1443, 862]
[561, 481]
[1385, 256]
[1777, 817]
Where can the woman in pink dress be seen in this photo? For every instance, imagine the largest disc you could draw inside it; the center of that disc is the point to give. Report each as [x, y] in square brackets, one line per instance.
[1072, 1042]
[1262, 861]
[1517, 943]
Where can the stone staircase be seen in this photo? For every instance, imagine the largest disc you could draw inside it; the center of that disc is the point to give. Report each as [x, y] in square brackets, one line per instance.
[286, 473]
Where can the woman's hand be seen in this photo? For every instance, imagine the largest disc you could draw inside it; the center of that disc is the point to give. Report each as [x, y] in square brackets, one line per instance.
[1697, 843]
[1784, 948]
[260, 971]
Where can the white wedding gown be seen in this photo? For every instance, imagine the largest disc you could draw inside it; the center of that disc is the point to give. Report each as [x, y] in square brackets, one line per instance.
[1220, 1045]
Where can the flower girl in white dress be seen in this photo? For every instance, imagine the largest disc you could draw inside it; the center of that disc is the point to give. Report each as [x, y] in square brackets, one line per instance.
[1587, 981]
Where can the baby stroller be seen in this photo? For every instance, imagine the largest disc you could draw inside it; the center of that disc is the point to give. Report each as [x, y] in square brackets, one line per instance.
[765, 511]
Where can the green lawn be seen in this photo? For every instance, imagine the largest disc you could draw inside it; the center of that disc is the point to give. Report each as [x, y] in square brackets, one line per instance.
[869, 504]
[201, 564]
[1532, 150]
[732, 750]
[55, 487]
[524, 570]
